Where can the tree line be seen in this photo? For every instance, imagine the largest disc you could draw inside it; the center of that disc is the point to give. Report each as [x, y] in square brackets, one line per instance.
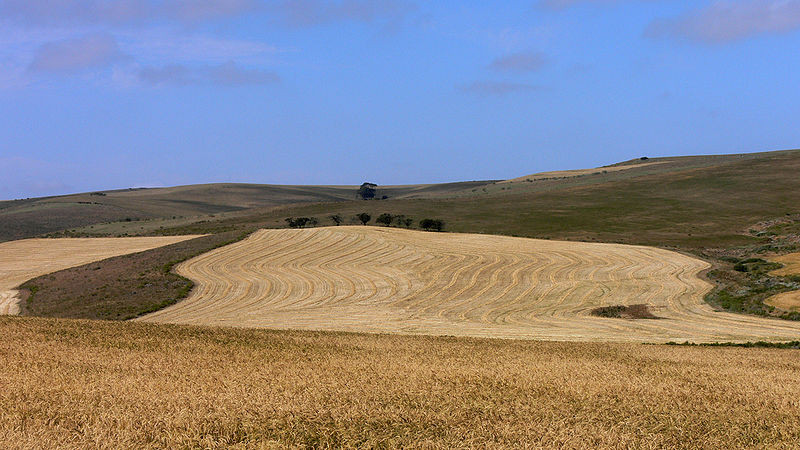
[384, 219]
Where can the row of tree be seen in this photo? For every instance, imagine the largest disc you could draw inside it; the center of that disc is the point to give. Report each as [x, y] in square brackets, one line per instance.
[385, 219]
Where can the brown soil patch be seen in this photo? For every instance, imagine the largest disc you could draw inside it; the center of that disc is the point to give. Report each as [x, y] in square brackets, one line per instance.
[624, 312]
[118, 288]
[29, 258]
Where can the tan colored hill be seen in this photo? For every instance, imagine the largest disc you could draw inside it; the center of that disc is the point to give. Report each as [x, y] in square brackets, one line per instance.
[393, 280]
[29, 258]
[559, 174]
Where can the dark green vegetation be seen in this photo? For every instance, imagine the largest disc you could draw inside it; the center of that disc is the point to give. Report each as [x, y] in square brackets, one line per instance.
[431, 224]
[725, 209]
[741, 274]
[119, 288]
[301, 222]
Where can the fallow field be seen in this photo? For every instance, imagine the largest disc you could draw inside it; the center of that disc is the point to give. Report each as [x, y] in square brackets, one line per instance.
[25, 259]
[355, 278]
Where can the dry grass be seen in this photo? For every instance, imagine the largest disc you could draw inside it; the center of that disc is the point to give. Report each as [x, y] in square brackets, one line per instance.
[30, 258]
[791, 264]
[392, 280]
[787, 301]
[578, 172]
[86, 384]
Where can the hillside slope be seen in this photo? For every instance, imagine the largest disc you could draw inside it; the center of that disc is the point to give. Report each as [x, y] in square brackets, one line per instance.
[181, 204]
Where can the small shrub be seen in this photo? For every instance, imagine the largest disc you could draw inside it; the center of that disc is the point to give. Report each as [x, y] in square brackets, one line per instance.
[364, 218]
[431, 224]
[385, 219]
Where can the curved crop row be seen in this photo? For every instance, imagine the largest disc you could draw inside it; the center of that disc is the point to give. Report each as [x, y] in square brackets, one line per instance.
[394, 280]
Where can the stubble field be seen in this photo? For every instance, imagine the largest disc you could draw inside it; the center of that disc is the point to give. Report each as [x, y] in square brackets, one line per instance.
[369, 279]
[787, 301]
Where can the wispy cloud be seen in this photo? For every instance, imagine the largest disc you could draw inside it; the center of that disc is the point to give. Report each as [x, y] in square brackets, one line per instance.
[228, 74]
[61, 12]
[520, 62]
[156, 45]
[302, 13]
[75, 54]
[564, 4]
[292, 12]
[725, 21]
[496, 88]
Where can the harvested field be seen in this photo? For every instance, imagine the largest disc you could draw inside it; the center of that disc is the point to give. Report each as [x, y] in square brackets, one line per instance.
[94, 384]
[787, 301]
[393, 280]
[29, 258]
[791, 264]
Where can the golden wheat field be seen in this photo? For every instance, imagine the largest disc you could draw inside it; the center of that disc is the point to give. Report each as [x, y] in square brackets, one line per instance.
[788, 301]
[393, 280]
[94, 384]
[29, 258]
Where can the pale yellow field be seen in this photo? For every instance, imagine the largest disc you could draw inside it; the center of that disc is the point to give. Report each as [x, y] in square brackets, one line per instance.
[577, 172]
[393, 280]
[29, 258]
[788, 301]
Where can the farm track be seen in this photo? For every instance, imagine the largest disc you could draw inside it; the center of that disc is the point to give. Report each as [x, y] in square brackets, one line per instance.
[393, 280]
[29, 258]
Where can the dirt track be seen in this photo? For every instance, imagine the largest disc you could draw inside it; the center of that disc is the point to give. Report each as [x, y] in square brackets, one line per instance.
[29, 258]
[393, 280]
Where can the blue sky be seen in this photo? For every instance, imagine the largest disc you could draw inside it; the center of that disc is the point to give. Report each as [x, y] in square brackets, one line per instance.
[98, 94]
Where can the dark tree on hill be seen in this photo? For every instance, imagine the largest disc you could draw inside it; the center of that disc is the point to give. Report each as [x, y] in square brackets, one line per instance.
[300, 222]
[385, 219]
[402, 221]
[431, 224]
[364, 218]
[367, 191]
[336, 218]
